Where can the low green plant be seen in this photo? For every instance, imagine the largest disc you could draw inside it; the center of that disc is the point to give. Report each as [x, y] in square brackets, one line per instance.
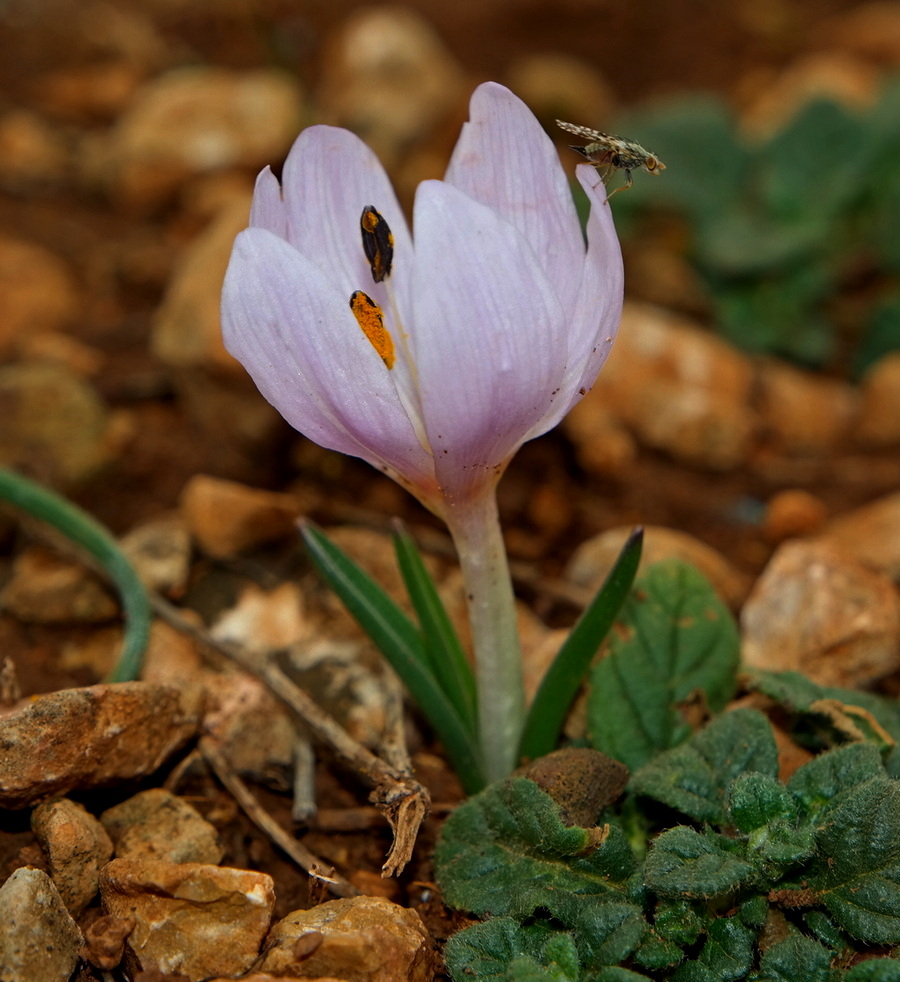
[794, 236]
[709, 868]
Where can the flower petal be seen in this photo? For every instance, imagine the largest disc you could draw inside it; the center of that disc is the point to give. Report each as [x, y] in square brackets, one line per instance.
[267, 210]
[296, 336]
[505, 160]
[488, 336]
[329, 176]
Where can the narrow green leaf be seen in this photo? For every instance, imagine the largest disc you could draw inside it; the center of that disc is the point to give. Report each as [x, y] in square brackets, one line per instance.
[78, 526]
[695, 777]
[684, 863]
[678, 638]
[568, 670]
[399, 641]
[446, 657]
[506, 851]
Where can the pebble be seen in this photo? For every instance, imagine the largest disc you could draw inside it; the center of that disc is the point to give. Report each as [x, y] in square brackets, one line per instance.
[192, 919]
[38, 292]
[262, 621]
[593, 560]
[160, 552]
[47, 589]
[91, 737]
[879, 416]
[363, 939]
[387, 75]
[804, 413]
[56, 428]
[818, 611]
[198, 120]
[677, 387]
[39, 939]
[76, 846]
[156, 824]
[32, 153]
[226, 518]
[603, 445]
[792, 513]
[871, 534]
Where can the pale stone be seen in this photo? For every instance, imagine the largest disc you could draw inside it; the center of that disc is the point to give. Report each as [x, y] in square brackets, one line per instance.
[160, 552]
[39, 941]
[804, 413]
[792, 513]
[677, 388]
[76, 846]
[198, 120]
[190, 918]
[879, 416]
[871, 534]
[225, 517]
[388, 76]
[84, 738]
[156, 824]
[602, 444]
[37, 292]
[361, 939]
[262, 621]
[46, 589]
[817, 611]
[593, 560]
[55, 426]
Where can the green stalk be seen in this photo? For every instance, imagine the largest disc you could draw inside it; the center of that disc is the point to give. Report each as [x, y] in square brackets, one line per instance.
[476, 534]
[85, 531]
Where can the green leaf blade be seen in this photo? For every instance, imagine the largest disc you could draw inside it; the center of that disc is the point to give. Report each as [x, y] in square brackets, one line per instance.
[568, 670]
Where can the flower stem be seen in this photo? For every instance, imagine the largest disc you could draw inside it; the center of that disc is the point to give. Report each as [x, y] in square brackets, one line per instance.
[495, 638]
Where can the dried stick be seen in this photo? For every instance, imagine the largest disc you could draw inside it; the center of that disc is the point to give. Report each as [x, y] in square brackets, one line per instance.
[264, 821]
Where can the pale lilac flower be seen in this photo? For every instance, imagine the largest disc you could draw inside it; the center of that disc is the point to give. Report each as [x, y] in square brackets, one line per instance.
[499, 314]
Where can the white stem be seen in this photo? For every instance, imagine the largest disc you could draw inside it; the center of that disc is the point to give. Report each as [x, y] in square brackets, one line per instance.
[495, 638]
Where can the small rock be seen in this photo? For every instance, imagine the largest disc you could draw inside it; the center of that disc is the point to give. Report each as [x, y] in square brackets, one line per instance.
[802, 412]
[55, 427]
[602, 443]
[46, 589]
[263, 621]
[90, 737]
[198, 120]
[677, 387]
[792, 513]
[190, 918]
[870, 534]
[104, 941]
[76, 846]
[32, 154]
[594, 558]
[836, 76]
[879, 415]
[225, 517]
[156, 824]
[555, 84]
[361, 939]
[388, 76]
[160, 551]
[39, 939]
[37, 292]
[817, 611]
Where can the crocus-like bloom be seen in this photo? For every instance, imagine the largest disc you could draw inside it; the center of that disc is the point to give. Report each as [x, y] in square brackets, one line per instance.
[493, 322]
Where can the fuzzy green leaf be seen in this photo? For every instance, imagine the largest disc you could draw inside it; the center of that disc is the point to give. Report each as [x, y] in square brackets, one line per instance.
[401, 643]
[875, 970]
[506, 851]
[857, 867]
[678, 639]
[819, 781]
[695, 776]
[503, 950]
[795, 959]
[567, 672]
[726, 955]
[684, 863]
[756, 799]
[605, 933]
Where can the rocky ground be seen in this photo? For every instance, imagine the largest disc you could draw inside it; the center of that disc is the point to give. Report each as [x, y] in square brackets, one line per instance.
[130, 135]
